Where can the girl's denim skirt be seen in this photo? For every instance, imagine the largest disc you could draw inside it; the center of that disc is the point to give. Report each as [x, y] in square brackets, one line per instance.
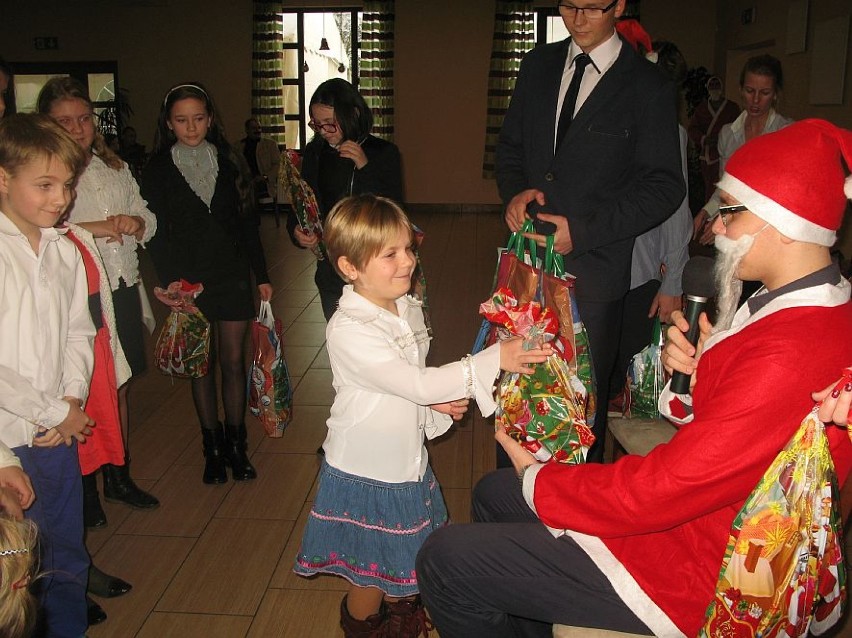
[369, 531]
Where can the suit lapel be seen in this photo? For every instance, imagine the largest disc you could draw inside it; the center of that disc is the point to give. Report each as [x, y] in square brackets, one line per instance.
[549, 96]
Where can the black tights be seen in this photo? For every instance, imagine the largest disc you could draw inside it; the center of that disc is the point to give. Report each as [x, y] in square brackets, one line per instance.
[226, 345]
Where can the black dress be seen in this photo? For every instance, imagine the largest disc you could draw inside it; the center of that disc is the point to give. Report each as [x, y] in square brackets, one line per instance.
[218, 247]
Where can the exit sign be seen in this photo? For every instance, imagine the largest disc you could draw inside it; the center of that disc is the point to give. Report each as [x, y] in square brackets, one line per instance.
[43, 43]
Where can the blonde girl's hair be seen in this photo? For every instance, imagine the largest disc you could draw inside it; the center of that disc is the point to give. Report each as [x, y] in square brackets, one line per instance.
[18, 553]
[68, 88]
[358, 227]
[29, 137]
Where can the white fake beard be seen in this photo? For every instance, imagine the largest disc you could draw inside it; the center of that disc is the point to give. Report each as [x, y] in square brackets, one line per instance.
[729, 287]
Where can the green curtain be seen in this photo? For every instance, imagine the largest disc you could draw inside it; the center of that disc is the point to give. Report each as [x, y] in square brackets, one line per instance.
[513, 37]
[375, 73]
[267, 64]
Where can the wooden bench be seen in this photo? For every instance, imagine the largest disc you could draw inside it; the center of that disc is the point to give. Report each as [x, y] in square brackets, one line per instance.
[633, 436]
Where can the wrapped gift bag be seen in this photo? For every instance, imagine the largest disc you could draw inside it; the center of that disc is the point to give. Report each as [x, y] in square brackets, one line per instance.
[269, 389]
[551, 411]
[302, 199]
[783, 573]
[645, 379]
[183, 347]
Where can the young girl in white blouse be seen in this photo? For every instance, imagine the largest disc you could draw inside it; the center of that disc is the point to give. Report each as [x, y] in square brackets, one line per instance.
[108, 206]
[378, 498]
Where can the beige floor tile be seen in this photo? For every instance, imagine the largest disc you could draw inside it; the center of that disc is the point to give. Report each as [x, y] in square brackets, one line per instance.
[314, 389]
[169, 625]
[148, 563]
[449, 456]
[304, 435]
[229, 568]
[313, 313]
[156, 447]
[178, 411]
[322, 360]
[299, 358]
[298, 614]
[305, 333]
[286, 315]
[279, 490]
[186, 505]
[291, 298]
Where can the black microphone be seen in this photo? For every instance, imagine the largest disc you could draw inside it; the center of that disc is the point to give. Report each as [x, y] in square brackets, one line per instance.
[698, 286]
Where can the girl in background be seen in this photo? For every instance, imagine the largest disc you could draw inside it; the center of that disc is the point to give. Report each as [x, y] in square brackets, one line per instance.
[108, 206]
[343, 159]
[207, 232]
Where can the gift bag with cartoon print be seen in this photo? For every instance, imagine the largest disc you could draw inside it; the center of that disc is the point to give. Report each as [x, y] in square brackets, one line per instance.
[783, 573]
[269, 390]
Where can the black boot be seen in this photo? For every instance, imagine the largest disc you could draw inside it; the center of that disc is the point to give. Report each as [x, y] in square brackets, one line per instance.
[95, 614]
[106, 586]
[214, 455]
[94, 516]
[235, 453]
[120, 488]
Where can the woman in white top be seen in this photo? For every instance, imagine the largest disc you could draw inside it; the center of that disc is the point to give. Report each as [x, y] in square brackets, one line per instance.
[377, 498]
[109, 206]
[761, 80]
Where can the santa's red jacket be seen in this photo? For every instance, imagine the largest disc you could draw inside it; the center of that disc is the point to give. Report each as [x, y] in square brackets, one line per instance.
[658, 525]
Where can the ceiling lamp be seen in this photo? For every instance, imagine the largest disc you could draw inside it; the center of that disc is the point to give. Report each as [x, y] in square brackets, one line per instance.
[324, 45]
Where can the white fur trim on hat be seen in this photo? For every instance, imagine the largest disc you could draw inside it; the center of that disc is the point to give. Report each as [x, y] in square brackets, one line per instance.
[847, 187]
[785, 221]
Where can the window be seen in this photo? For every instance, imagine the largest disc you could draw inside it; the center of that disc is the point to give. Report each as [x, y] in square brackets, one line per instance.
[318, 45]
[99, 77]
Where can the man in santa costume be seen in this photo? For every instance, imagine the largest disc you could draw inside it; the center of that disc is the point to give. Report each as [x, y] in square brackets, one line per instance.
[636, 546]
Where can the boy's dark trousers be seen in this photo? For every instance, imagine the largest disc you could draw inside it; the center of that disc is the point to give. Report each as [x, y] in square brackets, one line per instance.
[58, 512]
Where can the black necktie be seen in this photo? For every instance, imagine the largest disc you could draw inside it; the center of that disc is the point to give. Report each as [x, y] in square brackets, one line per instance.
[567, 113]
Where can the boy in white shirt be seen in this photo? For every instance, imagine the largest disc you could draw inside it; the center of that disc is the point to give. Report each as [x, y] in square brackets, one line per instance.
[46, 359]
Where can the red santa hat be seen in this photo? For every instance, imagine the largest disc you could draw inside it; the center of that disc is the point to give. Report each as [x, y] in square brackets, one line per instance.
[795, 179]
[636, 36]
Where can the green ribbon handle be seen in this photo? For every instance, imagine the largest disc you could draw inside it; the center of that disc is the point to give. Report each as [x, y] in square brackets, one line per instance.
[554, 262]
[516, 241]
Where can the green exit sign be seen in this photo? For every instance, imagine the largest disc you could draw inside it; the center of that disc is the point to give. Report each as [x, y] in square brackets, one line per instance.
[44, 43]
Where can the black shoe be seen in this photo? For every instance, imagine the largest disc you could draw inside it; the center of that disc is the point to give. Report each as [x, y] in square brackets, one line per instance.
[235, 453]
[120, 488]
[95, 614]
[214, 456]
[94, 516]
[106, 586]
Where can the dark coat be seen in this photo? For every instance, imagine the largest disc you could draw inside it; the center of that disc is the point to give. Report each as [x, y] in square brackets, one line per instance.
[616, 174]
[196, 243]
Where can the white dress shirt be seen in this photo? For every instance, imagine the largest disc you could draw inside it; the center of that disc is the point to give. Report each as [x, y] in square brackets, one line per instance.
[102, 192]
[46, 331]
[380, 413]
[603, 57]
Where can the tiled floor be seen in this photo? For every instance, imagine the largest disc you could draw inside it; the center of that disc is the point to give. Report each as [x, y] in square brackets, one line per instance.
[214, 561]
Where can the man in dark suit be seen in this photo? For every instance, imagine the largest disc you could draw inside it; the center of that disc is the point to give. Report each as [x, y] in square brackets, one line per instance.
[596, 175]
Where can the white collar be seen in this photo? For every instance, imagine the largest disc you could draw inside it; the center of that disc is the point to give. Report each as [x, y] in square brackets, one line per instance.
[8, 227]
[603, 56]
[362, 310]
[738, 124]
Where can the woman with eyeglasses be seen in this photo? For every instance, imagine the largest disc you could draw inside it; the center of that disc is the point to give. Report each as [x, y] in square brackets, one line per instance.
[343, 159]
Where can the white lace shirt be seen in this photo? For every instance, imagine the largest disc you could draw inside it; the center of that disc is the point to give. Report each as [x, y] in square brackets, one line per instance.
[101, 192]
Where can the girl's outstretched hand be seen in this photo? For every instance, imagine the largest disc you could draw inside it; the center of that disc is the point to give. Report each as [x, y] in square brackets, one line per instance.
[456, 409]
[513, 357]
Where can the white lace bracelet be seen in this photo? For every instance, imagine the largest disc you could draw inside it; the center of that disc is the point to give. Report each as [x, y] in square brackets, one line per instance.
[469, 376]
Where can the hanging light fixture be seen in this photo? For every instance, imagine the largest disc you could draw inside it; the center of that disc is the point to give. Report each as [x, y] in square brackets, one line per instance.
[341, 68]
[323, 43]
[305, 68]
